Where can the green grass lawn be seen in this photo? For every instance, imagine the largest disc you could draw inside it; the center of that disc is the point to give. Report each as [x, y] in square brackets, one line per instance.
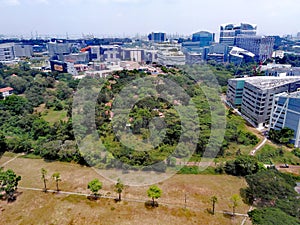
[52, 116]
[270, 154]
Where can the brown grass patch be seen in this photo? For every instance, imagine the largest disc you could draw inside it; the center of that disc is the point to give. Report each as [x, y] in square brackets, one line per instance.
[34, 207]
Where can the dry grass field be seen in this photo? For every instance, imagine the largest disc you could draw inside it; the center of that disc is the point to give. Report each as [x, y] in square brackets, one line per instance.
[36, 207]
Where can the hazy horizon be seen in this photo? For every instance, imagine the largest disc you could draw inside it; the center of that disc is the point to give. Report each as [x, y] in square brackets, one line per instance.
[126, 18]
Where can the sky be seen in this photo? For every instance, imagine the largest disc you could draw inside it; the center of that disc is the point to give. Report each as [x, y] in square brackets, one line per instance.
[131, 17]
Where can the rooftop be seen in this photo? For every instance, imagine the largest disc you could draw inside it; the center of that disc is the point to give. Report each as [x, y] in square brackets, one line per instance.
[6, 89]
[6, 45]
[271, 82]
[290, 95]
[236, 51]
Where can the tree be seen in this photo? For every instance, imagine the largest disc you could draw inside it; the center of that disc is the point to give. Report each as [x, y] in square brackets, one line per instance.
[94, 186]
[235, 199]
[119, 186]
[57, 179]
[9, 183]
[265, 187]
[214, 200]
[282, 136]
[154, 192]
[242, 166]
[268, 215]
[3, 145]
[17, 105]
[43, 177]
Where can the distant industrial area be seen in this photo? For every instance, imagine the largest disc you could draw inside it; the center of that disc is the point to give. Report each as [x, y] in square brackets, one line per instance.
[240, 119]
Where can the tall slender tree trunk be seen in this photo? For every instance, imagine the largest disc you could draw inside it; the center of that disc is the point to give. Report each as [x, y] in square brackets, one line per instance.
[213, 208]
[45, 186]
[57, 186]
[119, 197]
[153, 202]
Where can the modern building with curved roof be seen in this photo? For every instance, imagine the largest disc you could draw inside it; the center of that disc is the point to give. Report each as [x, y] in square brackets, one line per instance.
[229, 32]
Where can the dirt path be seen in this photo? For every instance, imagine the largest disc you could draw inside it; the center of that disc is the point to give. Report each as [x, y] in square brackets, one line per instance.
[128, 200]
[7, 162]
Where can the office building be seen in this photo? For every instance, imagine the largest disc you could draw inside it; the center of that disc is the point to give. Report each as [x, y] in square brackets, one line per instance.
[157, 37]
[261, 46]
[192, 58]
[246, 29]
[190, 46]
[133, 54]
[63, 67]
[229, 32]
[171, 58]
[217, 57]
[235, 91]
[151, 56]
[239, 56]
[110, 53]
[257, 95]
[94, 52]
[58, 49]
[219, 49]
[7, 52]
[204, 38]
[22, 50]
[280, 70]
[286, 113]
[77, 58]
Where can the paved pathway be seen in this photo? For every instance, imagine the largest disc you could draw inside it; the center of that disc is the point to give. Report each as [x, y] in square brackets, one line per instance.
[246, 218]
[259, 146]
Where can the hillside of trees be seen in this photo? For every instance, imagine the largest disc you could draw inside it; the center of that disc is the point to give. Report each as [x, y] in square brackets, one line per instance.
[186, 100]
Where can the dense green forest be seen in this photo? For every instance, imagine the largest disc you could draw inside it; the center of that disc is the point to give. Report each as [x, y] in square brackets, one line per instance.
[170, 117]
[274, 196]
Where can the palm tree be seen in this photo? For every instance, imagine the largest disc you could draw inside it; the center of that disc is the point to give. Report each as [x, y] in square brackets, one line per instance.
[235, 199]
[56, 178]
[119, 186]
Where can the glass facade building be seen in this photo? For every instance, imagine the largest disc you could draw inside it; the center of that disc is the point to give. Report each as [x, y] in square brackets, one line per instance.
[157, 37]
[255, 95]
[229, 32]
[286, 113]
[204, 38]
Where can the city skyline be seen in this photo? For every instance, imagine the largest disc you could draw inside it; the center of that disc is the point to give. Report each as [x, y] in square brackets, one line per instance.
[129, 17]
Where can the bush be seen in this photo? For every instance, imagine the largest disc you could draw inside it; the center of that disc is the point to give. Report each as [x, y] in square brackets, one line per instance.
[189, 170]
[268, 216]
[242, 166]
[296, 152]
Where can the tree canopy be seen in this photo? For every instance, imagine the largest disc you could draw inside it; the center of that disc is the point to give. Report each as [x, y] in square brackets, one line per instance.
[94, 186]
